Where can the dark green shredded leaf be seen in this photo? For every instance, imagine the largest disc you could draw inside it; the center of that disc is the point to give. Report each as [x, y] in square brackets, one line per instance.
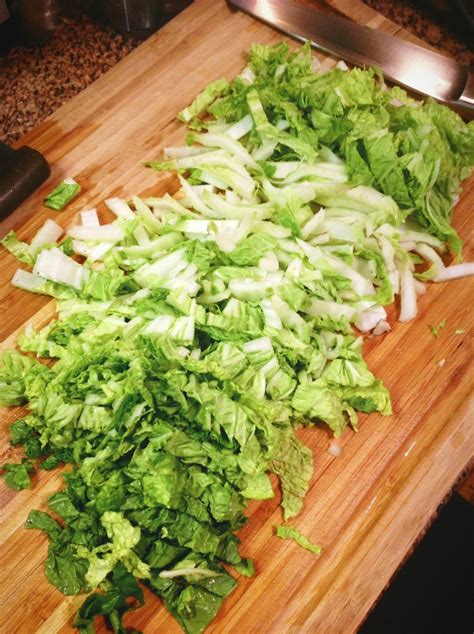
[114, 604]
[44, 522]
[16, 475]
[285, 531]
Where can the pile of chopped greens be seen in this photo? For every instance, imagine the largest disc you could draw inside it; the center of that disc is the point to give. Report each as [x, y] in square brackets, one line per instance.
[194, 334]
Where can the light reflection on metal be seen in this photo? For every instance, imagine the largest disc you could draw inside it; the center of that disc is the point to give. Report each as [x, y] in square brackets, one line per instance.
[265, 10]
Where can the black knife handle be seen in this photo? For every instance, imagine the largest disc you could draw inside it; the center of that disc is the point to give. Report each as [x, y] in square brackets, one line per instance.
[21, 172]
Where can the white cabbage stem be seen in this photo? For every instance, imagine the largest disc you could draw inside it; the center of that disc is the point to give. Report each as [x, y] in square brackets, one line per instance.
[381, 328]
[407, 293]
[420, 288]
[47, 234]
[454, 272]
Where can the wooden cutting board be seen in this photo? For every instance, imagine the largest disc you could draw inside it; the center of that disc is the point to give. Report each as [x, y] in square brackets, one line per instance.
[367, 507]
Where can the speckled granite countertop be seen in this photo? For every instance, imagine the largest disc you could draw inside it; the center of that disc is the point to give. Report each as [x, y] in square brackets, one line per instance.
[443, 29]
[36, 81]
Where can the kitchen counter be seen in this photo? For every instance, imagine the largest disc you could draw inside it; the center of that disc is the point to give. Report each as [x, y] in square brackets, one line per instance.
[444, 30]
[36, 81]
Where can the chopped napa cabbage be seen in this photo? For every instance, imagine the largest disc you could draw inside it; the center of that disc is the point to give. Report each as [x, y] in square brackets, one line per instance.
[203, 329]
[62, 194]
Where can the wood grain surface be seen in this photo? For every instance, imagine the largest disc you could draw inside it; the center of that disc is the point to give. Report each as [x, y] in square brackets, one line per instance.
[367, 507]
